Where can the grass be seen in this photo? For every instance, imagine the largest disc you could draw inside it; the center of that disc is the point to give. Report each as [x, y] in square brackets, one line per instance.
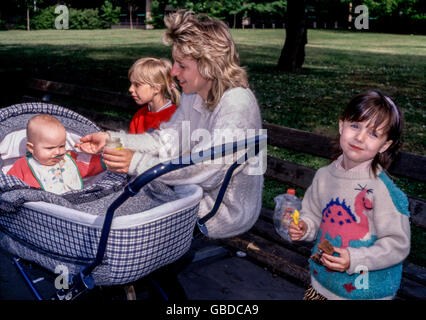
[338, 65]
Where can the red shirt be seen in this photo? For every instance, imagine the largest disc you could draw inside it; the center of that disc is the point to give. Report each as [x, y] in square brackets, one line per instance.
[21, 170]
[144, 119]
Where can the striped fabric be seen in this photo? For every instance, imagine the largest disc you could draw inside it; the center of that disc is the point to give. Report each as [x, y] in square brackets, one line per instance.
[312, 294]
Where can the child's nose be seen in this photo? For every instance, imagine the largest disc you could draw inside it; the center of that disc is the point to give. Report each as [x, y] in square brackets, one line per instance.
[361, 135]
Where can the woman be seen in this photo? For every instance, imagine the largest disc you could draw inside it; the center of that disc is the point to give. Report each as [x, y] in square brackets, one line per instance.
[216, 107]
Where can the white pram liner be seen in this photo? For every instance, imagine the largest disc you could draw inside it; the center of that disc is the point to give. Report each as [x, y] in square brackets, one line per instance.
[52, 235]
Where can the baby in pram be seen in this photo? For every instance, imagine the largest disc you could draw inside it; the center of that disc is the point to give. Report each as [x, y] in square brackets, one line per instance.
[47, 164]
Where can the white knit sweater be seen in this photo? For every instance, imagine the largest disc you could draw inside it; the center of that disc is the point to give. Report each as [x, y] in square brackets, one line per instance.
[193, 128]
[369, 217]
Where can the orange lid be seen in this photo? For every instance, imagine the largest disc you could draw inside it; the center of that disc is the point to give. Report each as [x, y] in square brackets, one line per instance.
[291, 191]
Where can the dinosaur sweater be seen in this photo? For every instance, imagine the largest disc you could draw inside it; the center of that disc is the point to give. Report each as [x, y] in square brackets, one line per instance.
[370, 218]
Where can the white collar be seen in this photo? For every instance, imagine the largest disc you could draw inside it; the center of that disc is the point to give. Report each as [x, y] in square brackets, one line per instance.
[167, 105]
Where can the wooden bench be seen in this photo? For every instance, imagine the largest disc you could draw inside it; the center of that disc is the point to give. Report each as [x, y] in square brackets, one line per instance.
[262, 243]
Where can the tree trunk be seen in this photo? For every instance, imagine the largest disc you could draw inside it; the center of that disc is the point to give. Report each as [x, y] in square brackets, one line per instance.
[148, 15]
[28, 19]
[130, 16]
[293, 52]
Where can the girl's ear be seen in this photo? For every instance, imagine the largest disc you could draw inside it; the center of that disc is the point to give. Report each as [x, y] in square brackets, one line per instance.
[340, 127]
[385, 146]
[157, 89]
[30, 147]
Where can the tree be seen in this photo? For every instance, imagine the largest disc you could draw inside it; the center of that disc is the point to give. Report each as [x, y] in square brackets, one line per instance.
[293, 52]
[110, 15]
[148, 14]
[132, 5]
[29, 4]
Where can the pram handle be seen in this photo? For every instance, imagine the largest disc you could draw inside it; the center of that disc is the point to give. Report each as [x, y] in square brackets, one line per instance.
[194, 158]
[251, 144]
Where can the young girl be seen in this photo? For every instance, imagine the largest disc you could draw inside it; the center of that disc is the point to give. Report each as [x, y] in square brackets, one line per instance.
[153, 88]
[354, 205]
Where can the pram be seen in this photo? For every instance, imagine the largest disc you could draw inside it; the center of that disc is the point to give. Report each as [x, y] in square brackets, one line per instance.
[101, 250]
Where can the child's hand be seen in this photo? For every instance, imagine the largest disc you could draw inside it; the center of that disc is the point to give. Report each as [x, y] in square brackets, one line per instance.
[297, 232]
[340, 264]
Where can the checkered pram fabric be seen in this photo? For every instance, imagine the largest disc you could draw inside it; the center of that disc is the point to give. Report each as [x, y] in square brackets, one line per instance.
[131, 253]
[51, 240]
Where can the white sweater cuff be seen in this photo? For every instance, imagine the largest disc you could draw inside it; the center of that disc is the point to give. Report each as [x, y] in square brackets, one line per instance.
[310, 232]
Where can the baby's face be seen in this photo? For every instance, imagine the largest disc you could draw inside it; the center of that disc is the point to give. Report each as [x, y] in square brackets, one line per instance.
[48, 145]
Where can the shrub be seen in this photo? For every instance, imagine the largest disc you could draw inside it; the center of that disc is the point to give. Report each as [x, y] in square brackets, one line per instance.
[109, 14]
[45, 19]
[85, 19]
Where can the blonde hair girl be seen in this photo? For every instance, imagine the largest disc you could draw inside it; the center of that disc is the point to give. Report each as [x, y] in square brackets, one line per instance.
[152, 87]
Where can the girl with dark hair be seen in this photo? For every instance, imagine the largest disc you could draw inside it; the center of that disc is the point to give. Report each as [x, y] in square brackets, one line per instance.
[354, 205]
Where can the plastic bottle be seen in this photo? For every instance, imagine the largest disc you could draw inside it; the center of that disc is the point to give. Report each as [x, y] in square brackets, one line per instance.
[285, 204]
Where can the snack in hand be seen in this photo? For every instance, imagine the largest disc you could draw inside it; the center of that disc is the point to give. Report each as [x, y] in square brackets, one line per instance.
[324, 246]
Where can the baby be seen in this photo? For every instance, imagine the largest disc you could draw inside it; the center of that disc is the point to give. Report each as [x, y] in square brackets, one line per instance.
[47, 164]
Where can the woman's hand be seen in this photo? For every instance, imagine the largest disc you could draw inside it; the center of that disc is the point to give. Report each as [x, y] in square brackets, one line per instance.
[340, 263]
[118, 160]
[93, 143]
[297, 232]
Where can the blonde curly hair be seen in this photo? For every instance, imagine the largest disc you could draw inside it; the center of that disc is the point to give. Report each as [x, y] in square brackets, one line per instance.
[209, 42]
